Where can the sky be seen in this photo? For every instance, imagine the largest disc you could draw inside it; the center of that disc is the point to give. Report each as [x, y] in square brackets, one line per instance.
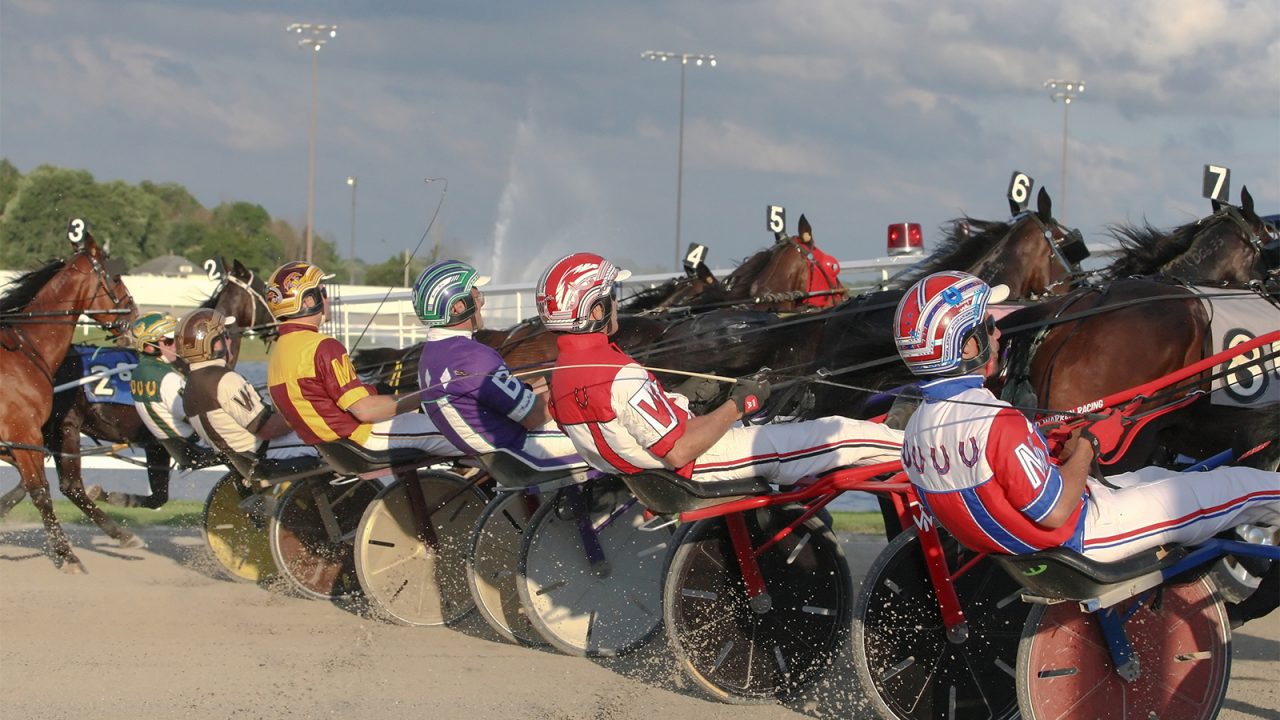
[553, 135]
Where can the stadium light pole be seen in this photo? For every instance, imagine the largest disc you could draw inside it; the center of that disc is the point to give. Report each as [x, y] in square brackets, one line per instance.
[1066, 91]
[313, 38]
[684, 58]
[351, 180]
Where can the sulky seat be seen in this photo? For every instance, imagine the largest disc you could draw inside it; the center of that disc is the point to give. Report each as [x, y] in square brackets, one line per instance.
[347, 458]
[667, 493]
[1061, 574]
[512, 473]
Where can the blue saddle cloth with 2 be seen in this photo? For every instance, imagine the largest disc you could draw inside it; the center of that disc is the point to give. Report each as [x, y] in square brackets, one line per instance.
[112, 389]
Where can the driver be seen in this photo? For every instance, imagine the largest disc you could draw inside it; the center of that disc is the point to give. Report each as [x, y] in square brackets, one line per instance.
[467, 389]
[621, 419]
[155, 383]
[224, 407]
[985, 473]
[314, 384]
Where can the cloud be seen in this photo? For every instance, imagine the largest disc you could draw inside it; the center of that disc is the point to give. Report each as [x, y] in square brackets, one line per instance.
[732, 145]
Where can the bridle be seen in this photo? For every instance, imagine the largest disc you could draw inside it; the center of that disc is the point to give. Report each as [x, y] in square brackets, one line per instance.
[119, 305]
[1069, 249]
[257, 299]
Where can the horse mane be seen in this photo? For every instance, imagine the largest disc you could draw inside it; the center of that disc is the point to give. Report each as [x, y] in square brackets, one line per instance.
[1145, 249]
[22, 290]
[752, 265]
[958, 249]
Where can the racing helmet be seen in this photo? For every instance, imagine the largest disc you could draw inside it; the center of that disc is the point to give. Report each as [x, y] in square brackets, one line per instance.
[198, 333]
[440, 286]
[290, 285]
[937, 316]
[152, 327]
[571, 287]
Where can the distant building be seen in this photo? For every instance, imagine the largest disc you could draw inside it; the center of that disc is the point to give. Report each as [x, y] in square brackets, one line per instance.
[168, 266]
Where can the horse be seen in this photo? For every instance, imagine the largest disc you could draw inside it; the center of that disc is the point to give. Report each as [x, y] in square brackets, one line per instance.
[1126, 331]
[240, 294]
[849, 348]
[1233, 247]
[39, 313]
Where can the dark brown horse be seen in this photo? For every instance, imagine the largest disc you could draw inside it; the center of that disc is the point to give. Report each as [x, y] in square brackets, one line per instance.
[852, 343]
[240, 294]
[1128, 331]
[39, 314]
[1231, 247]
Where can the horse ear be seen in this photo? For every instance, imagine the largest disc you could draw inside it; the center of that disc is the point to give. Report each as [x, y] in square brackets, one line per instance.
[1044, 206]
[704, 274]
[1014, 208]
[1246, 202]
[1215, 205]
[238, 269]
[803, 226]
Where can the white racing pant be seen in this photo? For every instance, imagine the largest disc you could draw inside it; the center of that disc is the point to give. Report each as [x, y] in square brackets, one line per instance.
[1155, 506]
[409, 431]
[785, 453]
[287, 446]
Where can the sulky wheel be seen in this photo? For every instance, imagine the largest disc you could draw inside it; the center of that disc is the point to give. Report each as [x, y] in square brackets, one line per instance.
[907, 665]
[742, 651]
[311, 532]
[234, 522]
[491, 567]
[590, 571]
[1180, 637]
[411, 548]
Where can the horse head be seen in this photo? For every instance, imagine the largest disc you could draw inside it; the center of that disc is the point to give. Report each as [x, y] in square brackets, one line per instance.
[102, 294]
[1232, 246]
[243, 295]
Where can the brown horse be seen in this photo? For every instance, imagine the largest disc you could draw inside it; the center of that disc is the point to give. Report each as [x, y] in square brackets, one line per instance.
[72, 415]
[1231, 247]
[1099, 340]
[39, 315]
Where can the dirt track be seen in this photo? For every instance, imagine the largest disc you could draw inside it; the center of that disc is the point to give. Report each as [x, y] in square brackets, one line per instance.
[156, 633]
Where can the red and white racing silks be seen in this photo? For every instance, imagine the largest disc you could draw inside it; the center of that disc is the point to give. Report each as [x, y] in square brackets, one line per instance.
[983, 471]
[614, 411]
[985, 474]
[621, 420]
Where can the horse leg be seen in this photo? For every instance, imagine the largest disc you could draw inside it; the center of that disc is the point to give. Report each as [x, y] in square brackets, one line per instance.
[31, 467]
[10, 500]
[66, 438]
[72, 485]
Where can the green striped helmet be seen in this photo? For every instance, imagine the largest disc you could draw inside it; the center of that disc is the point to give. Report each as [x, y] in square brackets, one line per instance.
[442, 284]
[151, 328]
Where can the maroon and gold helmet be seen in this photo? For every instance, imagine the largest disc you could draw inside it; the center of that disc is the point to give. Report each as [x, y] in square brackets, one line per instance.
[290, 285]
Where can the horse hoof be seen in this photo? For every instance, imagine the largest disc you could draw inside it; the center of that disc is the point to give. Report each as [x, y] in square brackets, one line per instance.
[131, 542]
[94, 492]
[73, 567]
[120, 499]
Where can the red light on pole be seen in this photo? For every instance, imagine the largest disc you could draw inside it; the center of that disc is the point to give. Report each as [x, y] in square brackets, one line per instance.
[905, 239]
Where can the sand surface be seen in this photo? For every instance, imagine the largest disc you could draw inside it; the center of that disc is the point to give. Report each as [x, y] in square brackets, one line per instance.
[157, 633]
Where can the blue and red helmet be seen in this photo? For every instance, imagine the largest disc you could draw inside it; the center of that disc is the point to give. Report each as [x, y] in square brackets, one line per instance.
[937, 316]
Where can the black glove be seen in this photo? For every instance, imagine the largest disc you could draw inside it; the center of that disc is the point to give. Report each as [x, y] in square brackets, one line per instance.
[699, 390]
[749, 394]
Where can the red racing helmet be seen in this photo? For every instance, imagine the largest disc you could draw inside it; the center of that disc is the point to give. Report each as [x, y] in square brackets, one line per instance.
[571, 287]
[937, 316]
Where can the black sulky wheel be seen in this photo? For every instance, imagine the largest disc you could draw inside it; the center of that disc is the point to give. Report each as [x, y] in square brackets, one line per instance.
[908, 667]
[1180, 638]
[311, 532]
[743, 654]
[491, 567]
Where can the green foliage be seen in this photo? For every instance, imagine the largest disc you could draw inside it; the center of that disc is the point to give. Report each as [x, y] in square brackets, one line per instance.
[9, 178]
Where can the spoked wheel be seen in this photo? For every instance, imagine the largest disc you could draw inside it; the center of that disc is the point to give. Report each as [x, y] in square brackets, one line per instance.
[1180, 636]
[907, 665]
[235, 530]
[590, 573]
[491, 569]
[311, 535]
[745, 651]
[411, 548]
